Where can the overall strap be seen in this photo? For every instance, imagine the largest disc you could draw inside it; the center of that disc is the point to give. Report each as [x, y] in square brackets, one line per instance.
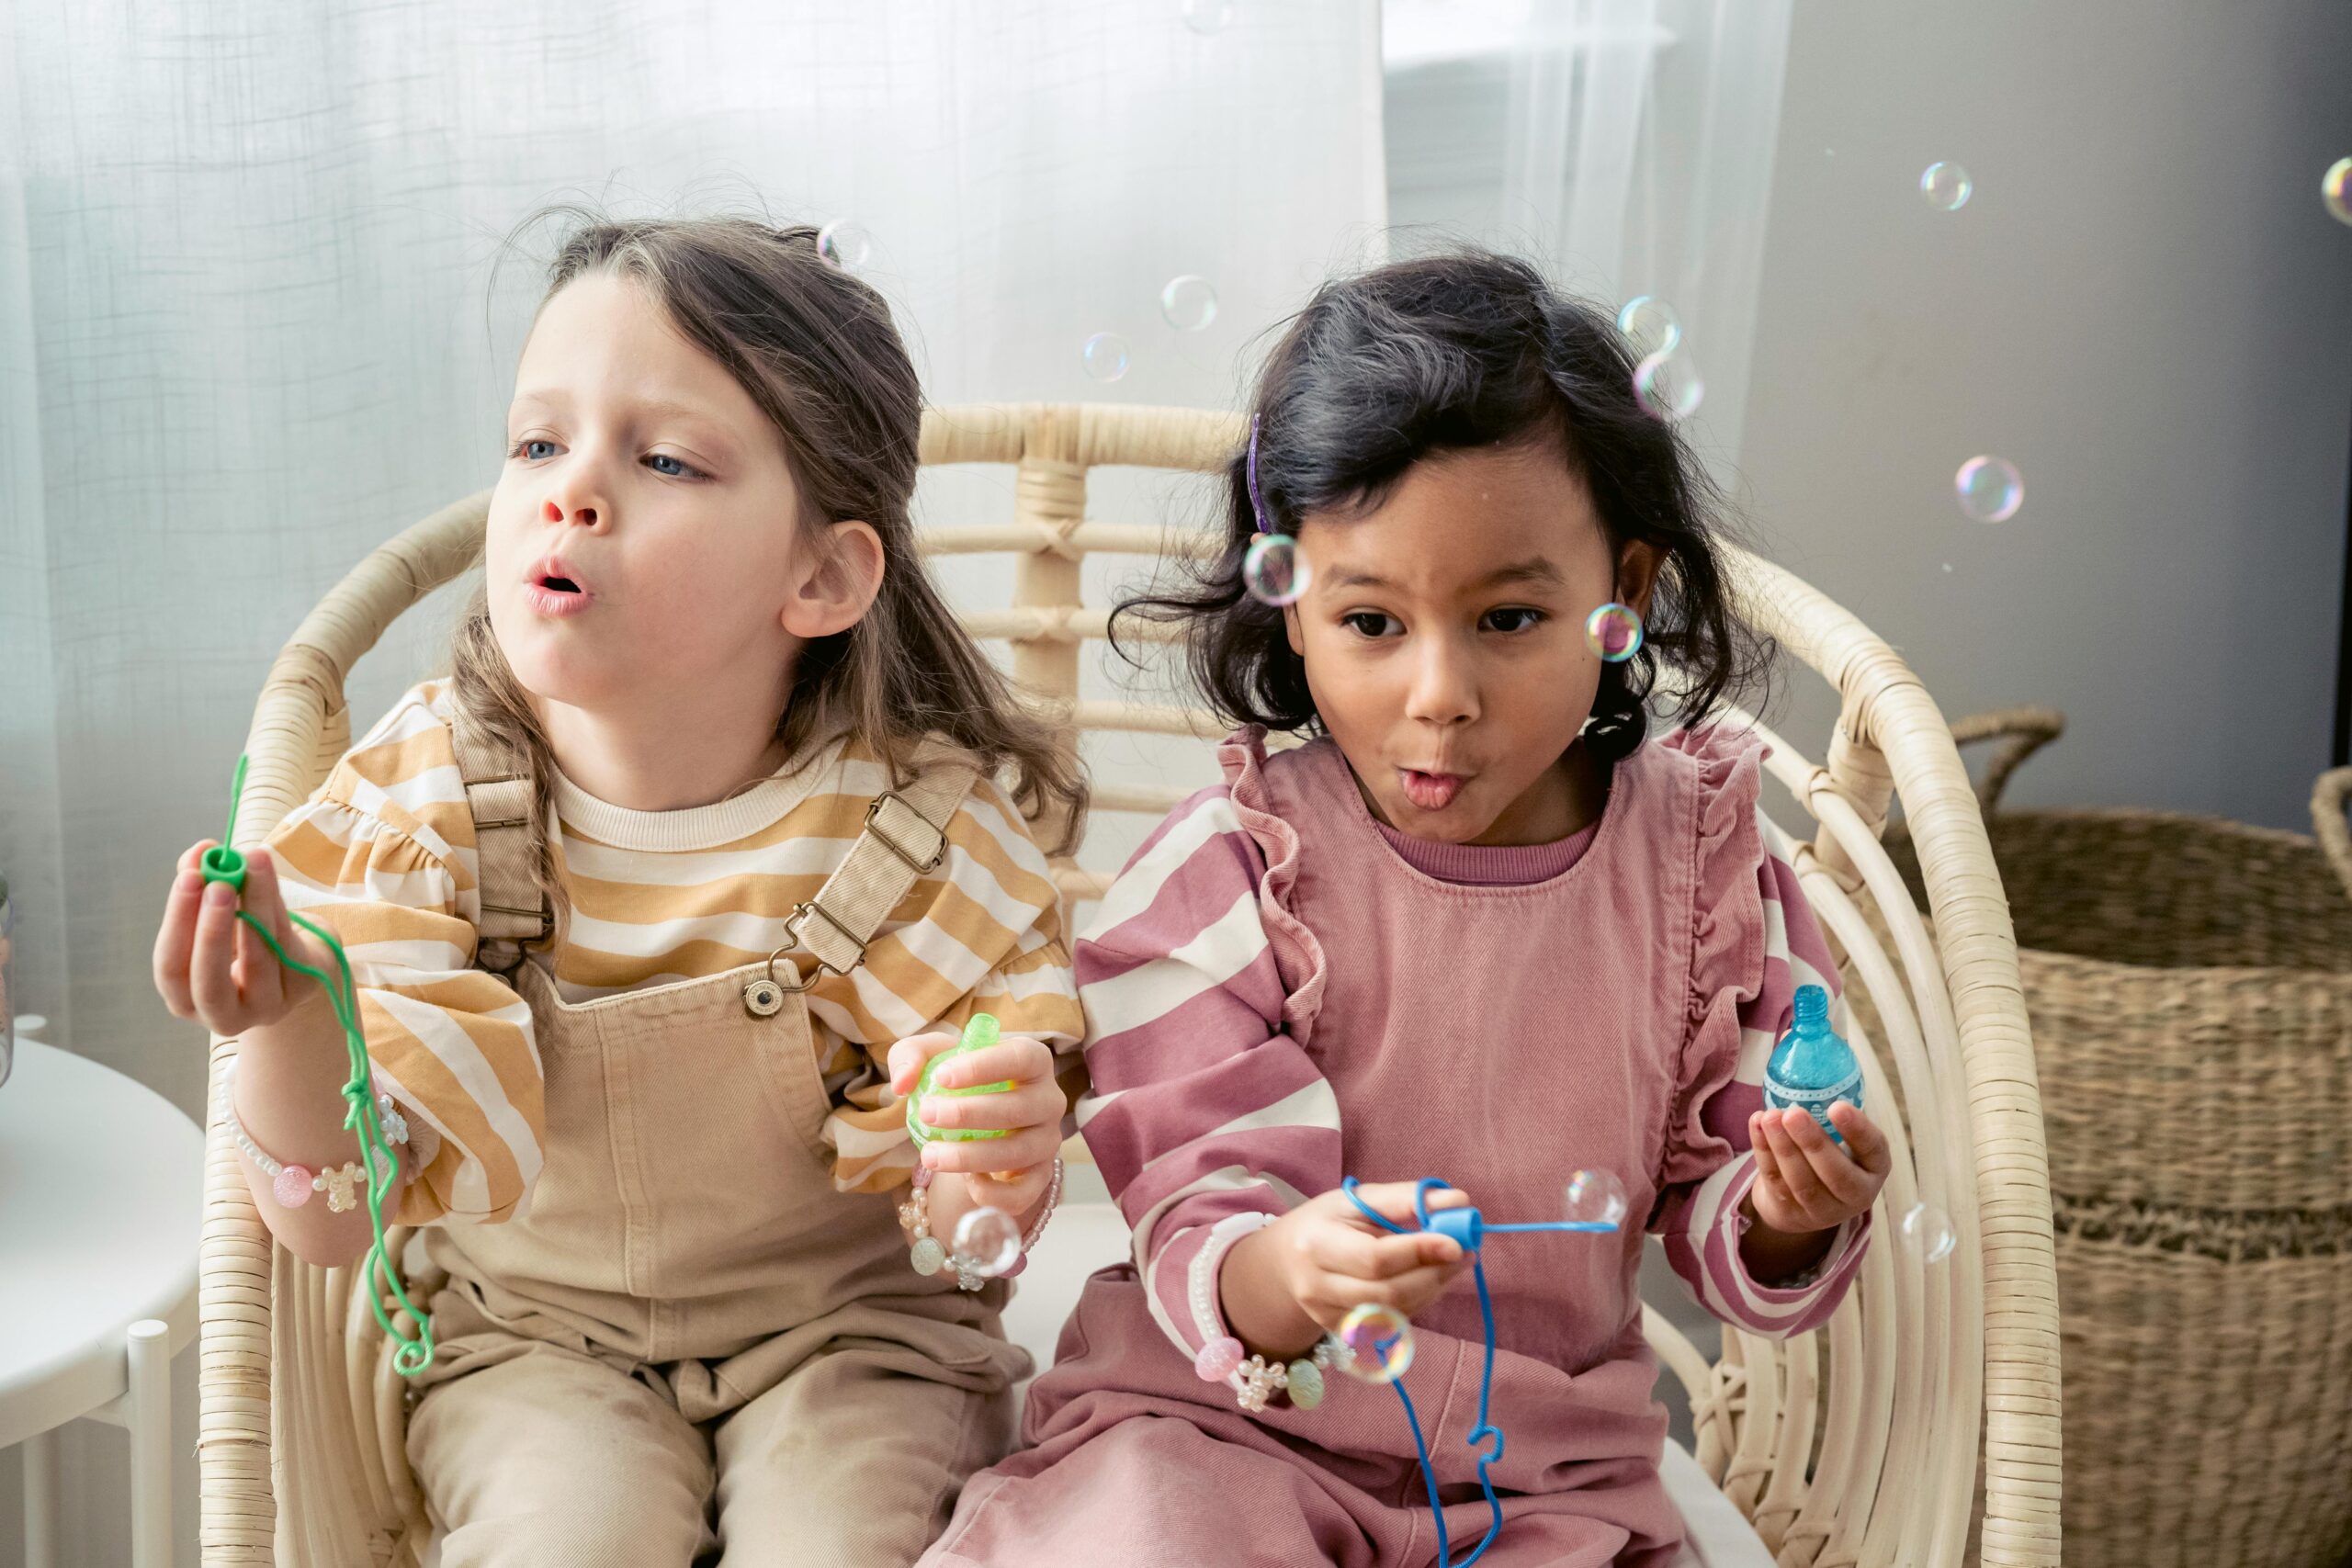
[904, 841]
[514, 911]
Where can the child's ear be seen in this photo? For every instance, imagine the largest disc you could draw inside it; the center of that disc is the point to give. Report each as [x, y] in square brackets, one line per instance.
[836, 585]
[1290, 630]
[1637, 566]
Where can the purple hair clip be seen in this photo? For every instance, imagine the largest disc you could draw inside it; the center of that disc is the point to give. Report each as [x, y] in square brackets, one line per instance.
[1271, 569]
[1257, 502]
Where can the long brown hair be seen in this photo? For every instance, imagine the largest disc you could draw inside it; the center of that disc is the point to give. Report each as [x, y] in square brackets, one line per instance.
[815, 350]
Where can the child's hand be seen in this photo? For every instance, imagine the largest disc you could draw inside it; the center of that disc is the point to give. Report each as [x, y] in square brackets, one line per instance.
[1804, 1183]
[1329, 1259]
[210, 965]
[1029, 1111]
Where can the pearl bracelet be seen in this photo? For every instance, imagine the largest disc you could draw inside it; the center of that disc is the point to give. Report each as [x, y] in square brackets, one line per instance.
[1253, 1378]
[928, 1256]
[292, 1185]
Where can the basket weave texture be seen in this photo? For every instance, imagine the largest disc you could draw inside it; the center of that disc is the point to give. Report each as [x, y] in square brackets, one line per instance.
[2189, 983]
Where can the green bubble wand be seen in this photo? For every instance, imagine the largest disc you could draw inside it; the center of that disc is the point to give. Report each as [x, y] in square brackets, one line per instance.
[221, 863]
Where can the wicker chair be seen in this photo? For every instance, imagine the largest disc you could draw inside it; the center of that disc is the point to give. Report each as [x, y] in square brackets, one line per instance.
[1858, 1444]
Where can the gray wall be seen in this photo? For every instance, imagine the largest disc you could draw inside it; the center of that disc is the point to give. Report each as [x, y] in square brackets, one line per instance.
[2145, 306]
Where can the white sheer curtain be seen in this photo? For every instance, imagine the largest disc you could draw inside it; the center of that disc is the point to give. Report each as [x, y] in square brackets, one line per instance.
[246, 327]
[1628, 144]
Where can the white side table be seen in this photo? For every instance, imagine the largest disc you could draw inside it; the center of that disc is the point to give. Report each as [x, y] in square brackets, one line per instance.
[101, 1193]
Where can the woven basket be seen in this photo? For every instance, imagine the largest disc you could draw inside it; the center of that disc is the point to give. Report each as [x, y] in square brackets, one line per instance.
[2189, 983]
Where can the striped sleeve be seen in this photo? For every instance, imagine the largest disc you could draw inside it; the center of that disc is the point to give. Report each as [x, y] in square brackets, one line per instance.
[1206, 1118]
[383, 857]
[983, 934]
[1700, 1220]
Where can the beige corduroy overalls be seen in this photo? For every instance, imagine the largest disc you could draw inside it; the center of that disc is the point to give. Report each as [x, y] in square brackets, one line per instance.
[687, 1346]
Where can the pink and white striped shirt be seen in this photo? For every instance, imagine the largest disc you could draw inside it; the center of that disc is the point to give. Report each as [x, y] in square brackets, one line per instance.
[1217, 1102]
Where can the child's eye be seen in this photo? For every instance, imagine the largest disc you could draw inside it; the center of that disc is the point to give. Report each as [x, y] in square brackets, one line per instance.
[678, 469]
[528, 448]
[1371, 623]
[1513, 618]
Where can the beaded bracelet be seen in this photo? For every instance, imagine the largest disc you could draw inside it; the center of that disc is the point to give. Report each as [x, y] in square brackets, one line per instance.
[928, 1256]
[292, 1185]
[1253, 1378]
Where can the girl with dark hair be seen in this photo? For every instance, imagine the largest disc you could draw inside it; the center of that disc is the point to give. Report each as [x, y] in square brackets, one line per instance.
[656, 906]
[1484, 925]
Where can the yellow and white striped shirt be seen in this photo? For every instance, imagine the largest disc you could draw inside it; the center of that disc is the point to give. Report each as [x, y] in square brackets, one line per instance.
[383, 855]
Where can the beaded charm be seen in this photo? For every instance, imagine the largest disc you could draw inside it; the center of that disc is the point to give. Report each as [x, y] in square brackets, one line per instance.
[291, 1185]
[1306, 1384]
[337, 1184]
[1218, 1359]
[927, 1256]
[1260, 1380]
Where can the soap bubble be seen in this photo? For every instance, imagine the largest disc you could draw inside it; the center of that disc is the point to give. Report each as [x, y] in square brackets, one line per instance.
[1596, 1197]
[1205, 17]
[1274, 570]
[1378, 1342]
[991, 1238]
[1990, 488]
[1614, 632]
[1650, 326]
[1946, 187]
[2335, 189]
[1668, 385]
[1105, 356]
[1189, 302]
[1927, 1233]
[846, 246]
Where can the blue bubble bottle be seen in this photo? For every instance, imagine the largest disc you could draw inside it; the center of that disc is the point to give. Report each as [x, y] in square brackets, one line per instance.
[1813, 1068]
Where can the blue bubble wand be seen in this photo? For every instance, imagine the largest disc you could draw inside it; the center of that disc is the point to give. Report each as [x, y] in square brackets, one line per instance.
[1468, 1228]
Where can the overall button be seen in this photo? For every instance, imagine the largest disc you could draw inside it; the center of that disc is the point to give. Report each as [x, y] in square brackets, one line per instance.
[763, 998]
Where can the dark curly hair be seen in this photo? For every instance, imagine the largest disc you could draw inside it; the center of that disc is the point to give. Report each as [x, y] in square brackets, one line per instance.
[1442, 352]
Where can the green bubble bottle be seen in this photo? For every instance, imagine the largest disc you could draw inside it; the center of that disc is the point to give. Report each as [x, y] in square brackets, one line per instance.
[978, 1035]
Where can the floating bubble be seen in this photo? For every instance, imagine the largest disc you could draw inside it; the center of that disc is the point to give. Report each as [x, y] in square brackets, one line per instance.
[1189, 302]
[1378, 1343]
[1927, 1233]
[991, 1238]
[846, 246]
[1946, 187]
[1274, 570]
[1105, 356]
[1650, 325]
[1990, 488]
[2335, 189]
[1668, 387]
[1596, 1197]
[1205, 17]
[1614, 632]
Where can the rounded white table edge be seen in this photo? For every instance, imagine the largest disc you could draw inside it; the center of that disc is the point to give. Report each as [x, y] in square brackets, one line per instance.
[84, 1376]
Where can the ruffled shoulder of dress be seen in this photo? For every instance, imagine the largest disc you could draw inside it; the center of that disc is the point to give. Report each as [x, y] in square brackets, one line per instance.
[1257, 782]
[1727, 929]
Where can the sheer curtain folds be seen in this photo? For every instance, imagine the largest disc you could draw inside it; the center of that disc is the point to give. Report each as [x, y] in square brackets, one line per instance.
[1627, 143]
